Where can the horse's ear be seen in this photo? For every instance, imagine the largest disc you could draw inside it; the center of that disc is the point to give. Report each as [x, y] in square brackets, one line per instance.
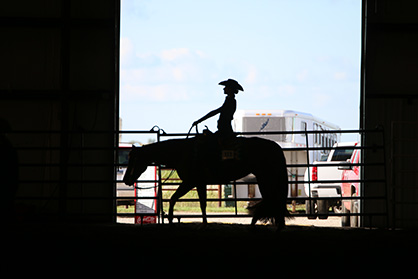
[133, 146]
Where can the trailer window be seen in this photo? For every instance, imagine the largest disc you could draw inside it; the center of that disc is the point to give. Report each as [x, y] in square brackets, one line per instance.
[317, 136]
[303, 127]
[342, 154]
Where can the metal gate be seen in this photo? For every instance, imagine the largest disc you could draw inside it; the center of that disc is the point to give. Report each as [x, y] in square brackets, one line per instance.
[50, 180]
[360, 199]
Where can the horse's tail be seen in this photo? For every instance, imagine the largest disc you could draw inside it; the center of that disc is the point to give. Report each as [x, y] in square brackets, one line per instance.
[272, 208]
[274, 184]
[262, 211]
[266, 211]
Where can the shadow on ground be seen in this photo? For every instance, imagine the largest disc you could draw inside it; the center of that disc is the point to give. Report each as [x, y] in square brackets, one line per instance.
[219, 249]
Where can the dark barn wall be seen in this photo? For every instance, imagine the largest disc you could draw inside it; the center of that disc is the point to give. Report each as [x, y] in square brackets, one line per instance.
[389, 100]
[60, 74]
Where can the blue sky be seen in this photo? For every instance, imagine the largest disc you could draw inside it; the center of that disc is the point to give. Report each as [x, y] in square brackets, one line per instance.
[300, 55]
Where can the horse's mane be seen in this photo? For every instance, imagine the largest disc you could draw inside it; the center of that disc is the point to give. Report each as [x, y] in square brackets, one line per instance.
[164, 152]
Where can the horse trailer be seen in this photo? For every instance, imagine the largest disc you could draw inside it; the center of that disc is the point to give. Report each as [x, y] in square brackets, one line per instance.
[287, 121]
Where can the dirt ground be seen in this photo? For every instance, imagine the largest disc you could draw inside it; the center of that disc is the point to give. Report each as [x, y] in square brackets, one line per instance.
[219, 248]
[299, 221]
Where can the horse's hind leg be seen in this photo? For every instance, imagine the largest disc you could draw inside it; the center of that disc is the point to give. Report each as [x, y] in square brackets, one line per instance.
[280, 223]
[180, 192]
[254, 221]
[201, 191]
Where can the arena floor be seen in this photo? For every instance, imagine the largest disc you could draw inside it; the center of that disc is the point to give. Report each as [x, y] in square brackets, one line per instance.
[219, 248]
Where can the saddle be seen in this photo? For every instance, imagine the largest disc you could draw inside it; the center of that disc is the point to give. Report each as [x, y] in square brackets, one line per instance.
[215, 147]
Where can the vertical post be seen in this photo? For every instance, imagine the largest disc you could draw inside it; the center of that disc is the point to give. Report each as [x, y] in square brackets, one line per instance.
[387, 204]
[309, 170]
[293, 186]
[65, 108]
[219, 195]
[235, 197]
[117, 124]
[391, 205]
[362, 168]
[160, 209]
[296, 185]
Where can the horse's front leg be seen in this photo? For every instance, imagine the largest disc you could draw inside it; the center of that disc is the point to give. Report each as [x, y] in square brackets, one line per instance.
[180, 192]
[201, 191]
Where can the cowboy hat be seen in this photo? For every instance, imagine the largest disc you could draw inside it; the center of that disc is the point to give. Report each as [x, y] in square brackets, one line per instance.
[232, 83]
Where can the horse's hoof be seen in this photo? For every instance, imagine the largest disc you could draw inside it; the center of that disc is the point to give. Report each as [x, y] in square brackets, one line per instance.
[280, 229]
[202, 226]
[170, 223]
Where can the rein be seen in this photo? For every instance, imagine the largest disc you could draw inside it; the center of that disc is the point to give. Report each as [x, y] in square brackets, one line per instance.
[172, 171]
[188, 133]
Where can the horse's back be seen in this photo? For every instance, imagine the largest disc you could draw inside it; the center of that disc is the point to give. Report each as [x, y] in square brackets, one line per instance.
[264, 150]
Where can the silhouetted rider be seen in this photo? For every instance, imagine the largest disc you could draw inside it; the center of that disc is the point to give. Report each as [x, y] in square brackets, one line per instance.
[226, 111]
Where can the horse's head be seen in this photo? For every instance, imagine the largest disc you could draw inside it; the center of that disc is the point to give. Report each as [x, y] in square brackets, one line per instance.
[136, 166]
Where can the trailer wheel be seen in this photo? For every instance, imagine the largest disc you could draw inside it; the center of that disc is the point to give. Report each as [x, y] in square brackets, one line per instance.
[354, 209]
[322, 208]
[310, 209]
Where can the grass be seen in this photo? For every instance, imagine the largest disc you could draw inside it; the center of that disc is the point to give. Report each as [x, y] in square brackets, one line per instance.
[125, 209]
[188, 208]
[195, 206]
[211, 207]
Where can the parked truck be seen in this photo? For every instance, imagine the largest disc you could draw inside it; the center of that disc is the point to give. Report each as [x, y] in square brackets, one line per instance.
[287, 121]
[324, 181]
[350, 188]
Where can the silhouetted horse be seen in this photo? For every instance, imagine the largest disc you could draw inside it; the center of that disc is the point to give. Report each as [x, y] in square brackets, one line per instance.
[199, 161]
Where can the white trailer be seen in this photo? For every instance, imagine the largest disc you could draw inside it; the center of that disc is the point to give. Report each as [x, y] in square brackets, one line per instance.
[288, 120]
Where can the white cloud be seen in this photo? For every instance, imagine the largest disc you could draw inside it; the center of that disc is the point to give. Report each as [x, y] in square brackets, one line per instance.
[340, 76]
[178, 73]
[287, 89]
[302, 75]
[251, 75]
[155, 75]
[162, 92]
[167, 75]
[174, 54]
[321, 100]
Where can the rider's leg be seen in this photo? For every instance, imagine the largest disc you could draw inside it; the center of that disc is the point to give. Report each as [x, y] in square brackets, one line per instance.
[181, 191]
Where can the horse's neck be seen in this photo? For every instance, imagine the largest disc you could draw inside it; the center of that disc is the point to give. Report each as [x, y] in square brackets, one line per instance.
[165, 152]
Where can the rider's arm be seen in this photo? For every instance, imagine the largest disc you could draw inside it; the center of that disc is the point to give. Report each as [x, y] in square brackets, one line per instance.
[209, 115]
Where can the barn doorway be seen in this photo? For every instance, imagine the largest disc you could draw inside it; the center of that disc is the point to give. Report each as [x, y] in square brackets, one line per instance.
[287, 56]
